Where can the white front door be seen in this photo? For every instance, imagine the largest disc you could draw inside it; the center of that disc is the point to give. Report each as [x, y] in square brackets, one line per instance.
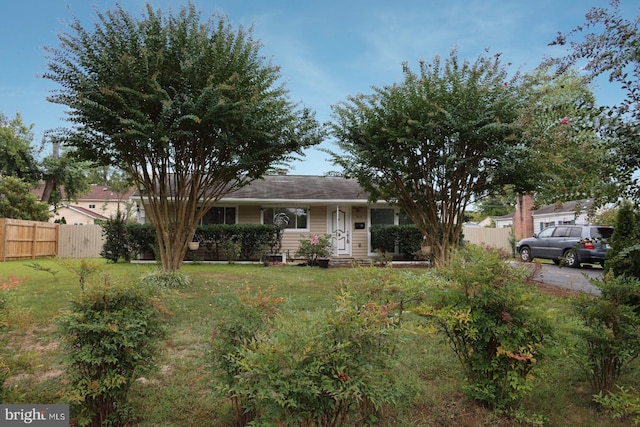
[341, 230]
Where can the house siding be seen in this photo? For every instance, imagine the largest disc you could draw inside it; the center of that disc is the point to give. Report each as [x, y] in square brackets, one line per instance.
[360, 238]
[249, 214]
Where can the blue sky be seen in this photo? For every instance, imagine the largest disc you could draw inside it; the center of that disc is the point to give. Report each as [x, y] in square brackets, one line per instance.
[327, 50]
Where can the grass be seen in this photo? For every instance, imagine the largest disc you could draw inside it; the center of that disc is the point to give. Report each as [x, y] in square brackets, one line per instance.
[179, 393]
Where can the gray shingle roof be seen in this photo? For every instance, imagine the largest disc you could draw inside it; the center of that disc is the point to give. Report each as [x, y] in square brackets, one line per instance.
[572, 206]
[302, 188]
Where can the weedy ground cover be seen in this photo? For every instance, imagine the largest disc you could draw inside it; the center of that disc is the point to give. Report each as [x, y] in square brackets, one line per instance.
[179, 393]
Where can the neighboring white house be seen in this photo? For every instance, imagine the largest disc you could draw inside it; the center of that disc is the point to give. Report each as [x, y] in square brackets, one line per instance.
[572, 212]
[503, 221]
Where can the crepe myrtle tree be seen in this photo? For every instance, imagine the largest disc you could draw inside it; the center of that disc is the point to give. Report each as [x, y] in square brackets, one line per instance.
[189, 108]
[572, 160]
[608, 44]
[434, 142]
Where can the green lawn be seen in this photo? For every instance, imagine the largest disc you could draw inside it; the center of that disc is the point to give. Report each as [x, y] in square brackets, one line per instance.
[179, 394]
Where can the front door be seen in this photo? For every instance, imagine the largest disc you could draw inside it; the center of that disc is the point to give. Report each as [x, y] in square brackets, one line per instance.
[341, 230]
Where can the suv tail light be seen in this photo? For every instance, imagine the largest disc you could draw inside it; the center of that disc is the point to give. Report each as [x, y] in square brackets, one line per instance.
[588, 244]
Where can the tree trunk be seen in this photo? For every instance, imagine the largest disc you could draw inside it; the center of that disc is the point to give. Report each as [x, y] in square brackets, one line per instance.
[49, 185]
[173, 245]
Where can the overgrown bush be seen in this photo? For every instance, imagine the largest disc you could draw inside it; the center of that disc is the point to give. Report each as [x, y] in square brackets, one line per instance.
[624, 256]
[232, 251]
[110, 338]
[622, 404]
[311, 369]
[248, 315]
[407, 238]
[127, 240]
[611, 331]
[403, 289]
[142, 239]
[254, 239]
[117, 244]
[384, 237]
[494, 323]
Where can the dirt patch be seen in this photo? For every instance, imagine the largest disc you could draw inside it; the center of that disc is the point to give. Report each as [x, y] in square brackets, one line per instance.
[556, 291]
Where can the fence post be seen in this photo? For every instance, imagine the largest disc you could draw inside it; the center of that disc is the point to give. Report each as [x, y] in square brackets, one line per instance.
[3, 238]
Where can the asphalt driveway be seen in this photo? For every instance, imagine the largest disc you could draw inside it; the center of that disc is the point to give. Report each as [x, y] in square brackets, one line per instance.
[575, 279]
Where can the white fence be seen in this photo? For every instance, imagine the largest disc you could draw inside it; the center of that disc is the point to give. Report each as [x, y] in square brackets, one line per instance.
[80, 241]
[495, 237]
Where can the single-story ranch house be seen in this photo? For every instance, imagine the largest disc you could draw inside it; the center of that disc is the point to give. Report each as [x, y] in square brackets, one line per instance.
[312, 205]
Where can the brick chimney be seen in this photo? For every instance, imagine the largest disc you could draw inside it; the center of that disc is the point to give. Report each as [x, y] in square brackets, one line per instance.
[523, 218]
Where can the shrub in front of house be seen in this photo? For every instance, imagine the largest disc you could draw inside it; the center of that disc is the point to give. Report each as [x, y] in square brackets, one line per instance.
[610, 333]
[110, 337]
[320, 368]
[117, 243]
[130, 240]
[142, 239]
[407, 238]
[254, 240]
[494, 323]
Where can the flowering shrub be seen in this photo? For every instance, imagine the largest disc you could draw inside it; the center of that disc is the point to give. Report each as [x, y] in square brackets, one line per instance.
[10, 282]
[315, 247]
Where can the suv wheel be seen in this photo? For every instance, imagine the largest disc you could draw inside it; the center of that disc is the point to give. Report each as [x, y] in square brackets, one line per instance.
[525, 254]
[572, 259]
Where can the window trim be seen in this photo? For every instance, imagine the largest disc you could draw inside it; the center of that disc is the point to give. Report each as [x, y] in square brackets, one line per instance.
[225, 207]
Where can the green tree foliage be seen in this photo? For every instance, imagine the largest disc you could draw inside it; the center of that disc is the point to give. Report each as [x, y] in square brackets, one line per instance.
[436, 141]
[610, 44]
[496, 205]
[494, 324]
[189, 109]
[572, 161]
[110, 336]
[17, 201]
[624, 256]
[64, 171]
[16, 153]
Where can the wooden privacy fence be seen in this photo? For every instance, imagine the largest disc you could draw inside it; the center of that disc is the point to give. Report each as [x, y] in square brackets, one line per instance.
[27, 239]
[80, 241]
[496, 237]
[33, 239]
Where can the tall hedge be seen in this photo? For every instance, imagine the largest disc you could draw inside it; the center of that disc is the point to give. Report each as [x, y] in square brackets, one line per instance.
[407, 237]
[254, 239]
[132, 239]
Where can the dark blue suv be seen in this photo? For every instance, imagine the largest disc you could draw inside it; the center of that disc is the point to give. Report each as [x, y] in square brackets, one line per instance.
[576, 244]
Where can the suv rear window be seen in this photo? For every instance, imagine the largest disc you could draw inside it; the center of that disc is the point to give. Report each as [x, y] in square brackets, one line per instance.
[601, 232]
